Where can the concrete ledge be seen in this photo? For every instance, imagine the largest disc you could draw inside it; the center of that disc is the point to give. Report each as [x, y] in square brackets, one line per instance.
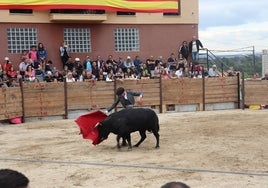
[186, 107]
[220, 106]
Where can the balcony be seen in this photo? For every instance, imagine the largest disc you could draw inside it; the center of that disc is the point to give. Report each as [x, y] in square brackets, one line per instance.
[85, 16]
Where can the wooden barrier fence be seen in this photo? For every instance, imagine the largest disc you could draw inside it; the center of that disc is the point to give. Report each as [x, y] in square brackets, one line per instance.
[57, 99]
[256, 92]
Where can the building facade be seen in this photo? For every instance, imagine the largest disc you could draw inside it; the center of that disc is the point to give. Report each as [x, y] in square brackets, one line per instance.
[264, 62]
[96, 32]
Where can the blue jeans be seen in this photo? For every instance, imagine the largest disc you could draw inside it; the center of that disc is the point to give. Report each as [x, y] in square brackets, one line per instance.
[195, 56]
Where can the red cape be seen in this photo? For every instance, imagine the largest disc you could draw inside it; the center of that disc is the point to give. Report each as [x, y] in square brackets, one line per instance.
[87, 124]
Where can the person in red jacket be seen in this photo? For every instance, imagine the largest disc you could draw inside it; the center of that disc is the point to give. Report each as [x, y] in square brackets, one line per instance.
[6, 65]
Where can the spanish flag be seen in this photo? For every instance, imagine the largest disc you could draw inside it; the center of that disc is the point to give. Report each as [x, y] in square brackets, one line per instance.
[108, 5]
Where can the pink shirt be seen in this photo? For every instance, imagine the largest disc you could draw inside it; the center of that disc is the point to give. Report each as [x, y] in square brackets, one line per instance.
[33, 55]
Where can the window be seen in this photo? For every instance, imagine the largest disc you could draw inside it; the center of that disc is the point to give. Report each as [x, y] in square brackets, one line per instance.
[78, 39]
[20, 39]
[20, 11]
[77, 11]
[119, 13]
[126, 39]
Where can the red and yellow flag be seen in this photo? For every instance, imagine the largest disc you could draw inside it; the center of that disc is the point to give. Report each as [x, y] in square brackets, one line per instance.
[109, 5]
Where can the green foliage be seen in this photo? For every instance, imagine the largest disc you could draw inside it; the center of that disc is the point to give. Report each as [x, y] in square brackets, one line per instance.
[242, 63]
[246, 64]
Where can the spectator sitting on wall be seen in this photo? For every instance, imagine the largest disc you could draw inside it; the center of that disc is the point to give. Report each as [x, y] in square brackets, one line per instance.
[212, 72]
[231, 71]
[150, 63]
[172, 62]
[164, 73]
[69, 63]
[49, 77]
[128, 63]
[137, 63]
[265, 77]
[48, 66]
[173, 74]
[6, 65]
[12, 73]
[70, 77]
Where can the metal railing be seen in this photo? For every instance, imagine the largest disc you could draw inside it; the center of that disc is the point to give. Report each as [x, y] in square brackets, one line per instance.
[207, 58]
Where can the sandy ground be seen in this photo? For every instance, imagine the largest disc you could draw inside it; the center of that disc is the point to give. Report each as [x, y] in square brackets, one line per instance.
[213, 149]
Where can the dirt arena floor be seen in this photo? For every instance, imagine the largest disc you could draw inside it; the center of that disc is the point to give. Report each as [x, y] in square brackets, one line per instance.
[212, 149]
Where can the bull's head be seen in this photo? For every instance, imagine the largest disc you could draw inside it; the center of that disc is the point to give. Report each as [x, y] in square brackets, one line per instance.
[103, 133]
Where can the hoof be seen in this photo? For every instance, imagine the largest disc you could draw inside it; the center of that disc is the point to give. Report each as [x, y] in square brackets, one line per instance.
[124, 144]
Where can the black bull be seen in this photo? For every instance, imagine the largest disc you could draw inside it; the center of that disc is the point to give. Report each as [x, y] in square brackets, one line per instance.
[126, 121]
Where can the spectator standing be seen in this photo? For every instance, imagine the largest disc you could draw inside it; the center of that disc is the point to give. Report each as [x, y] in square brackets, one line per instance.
[33, 54]
[194, 47]
[64, 53]
[41, 52]
[184, 50]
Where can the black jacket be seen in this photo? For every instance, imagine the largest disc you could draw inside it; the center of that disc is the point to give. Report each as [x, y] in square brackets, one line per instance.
[130, 101]
[198, 45]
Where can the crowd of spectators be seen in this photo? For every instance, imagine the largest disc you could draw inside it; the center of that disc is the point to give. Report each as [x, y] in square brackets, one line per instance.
[35, 67]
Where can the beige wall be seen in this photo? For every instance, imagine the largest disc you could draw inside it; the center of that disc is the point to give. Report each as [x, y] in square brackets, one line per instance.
[189, 15]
